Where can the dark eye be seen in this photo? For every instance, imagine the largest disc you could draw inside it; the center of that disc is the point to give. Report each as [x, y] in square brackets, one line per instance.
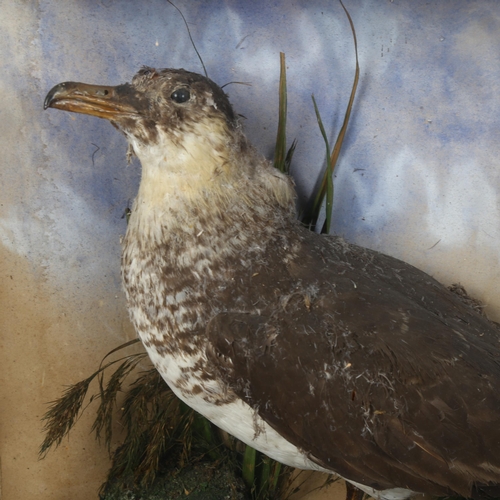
[145, 71]
[180, 95]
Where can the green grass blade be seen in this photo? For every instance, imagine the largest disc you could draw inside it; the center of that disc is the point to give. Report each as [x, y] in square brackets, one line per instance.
[248, 471]
[268, 478]
[328, 173]
[265, 473]
[274, 476]
[280, 148]
[340, 138]
[329, 198]
[203, 429]
[328, 176]
[289, 156]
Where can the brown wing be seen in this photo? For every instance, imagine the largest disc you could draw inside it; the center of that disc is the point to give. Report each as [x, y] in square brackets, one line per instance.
[371, 367]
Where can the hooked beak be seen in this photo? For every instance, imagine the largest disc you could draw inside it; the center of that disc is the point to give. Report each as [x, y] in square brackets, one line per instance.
[110, 103]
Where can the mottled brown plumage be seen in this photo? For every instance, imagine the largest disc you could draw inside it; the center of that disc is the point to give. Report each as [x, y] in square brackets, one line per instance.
[320, 353]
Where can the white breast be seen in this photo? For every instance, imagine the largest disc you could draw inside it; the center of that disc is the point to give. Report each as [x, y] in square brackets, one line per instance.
[240, 420]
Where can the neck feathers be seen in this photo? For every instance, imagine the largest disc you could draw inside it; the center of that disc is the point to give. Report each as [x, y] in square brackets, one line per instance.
[200, 179]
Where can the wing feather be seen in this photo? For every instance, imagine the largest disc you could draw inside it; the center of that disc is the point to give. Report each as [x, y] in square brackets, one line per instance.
[372, 368]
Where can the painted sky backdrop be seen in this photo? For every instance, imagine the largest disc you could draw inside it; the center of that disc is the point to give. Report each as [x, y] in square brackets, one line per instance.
[419, 162]
[419, 173]
[421, 144]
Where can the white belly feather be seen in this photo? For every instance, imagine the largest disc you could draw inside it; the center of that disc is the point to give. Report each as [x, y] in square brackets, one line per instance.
[240, 420]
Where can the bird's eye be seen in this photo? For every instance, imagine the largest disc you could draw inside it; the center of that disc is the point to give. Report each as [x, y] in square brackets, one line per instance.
[145, 71]
[180, 95]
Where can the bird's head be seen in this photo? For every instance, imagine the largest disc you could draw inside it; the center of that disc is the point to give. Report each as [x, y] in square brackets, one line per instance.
[180, 125]
[168, 101]
[185, 133]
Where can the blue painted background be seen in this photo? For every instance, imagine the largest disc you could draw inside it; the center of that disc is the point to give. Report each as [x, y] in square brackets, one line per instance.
[419, 161]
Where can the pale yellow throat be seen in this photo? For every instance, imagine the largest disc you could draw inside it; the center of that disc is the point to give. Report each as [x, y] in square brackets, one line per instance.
[181, 168]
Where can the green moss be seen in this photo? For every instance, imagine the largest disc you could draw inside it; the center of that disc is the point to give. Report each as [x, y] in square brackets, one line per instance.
[200, 481]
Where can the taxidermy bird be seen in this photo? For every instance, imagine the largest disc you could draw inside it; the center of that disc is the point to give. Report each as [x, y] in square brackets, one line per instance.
[319, 353]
